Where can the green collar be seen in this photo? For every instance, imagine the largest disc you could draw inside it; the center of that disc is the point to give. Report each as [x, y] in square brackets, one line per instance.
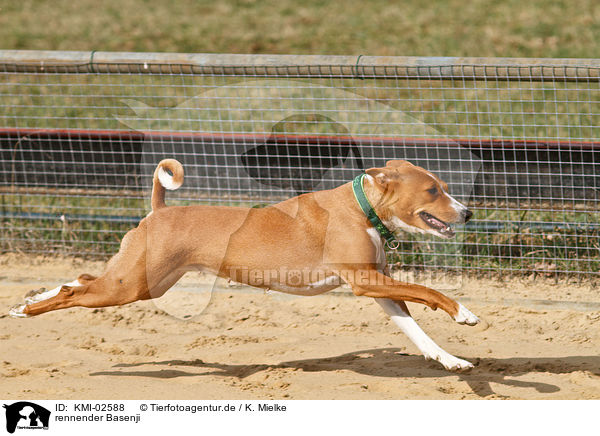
[365, 205]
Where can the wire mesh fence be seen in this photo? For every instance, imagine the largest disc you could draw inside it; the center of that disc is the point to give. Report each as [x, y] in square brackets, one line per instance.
[518, 140]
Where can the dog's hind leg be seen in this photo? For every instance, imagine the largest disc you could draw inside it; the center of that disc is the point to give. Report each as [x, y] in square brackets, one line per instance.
[399, 314]
[42, 294]
[110, 289]
[124, 281]
[104, 291]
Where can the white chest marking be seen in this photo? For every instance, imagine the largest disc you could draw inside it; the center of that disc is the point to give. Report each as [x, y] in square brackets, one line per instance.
[380, 259]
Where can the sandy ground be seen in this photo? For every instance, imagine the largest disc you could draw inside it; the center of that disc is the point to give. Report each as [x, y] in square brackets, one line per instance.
[538, 341]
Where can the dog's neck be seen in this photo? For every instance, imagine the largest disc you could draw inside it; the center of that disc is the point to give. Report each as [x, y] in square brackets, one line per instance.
[377, 198]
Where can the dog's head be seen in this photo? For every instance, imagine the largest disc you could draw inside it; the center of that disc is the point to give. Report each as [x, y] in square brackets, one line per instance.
[412, 199]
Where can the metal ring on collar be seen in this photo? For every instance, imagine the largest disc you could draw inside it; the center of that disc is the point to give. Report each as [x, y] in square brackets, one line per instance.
[392, 245]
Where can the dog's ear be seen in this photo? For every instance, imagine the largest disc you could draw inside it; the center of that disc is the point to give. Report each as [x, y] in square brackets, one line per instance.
[397, 163]
[383, 176]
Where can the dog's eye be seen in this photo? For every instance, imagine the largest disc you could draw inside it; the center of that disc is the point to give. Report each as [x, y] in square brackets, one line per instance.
[433, 190]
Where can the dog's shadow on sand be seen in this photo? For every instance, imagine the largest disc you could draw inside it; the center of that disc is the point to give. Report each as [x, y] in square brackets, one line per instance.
[384, 362]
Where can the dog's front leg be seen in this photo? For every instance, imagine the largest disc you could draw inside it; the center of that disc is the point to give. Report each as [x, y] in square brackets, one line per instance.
[371, 283]
[399, 314]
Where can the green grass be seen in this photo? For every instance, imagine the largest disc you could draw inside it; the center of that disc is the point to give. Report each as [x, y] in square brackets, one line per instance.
[537, 28]
[97, 238]
[424, 108]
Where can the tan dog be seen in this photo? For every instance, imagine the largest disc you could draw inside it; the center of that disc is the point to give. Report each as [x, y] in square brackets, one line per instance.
[306, 245]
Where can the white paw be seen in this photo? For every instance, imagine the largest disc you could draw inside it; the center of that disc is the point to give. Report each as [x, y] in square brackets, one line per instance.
[456, 364]
[17, 311]
[450, 362]
[465, 316]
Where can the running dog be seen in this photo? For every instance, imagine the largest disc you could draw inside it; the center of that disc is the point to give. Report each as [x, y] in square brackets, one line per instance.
[306, 245]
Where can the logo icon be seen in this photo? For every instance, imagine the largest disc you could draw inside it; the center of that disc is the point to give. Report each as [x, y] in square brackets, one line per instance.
[26, 415]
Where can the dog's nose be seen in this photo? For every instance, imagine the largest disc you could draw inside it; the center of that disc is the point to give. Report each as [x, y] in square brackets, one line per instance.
[468, 214]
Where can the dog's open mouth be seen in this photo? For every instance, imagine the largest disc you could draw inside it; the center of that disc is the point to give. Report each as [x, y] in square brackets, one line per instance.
[437, 224]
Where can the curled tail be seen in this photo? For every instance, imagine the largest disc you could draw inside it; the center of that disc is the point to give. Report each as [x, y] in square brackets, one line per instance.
[163, 180]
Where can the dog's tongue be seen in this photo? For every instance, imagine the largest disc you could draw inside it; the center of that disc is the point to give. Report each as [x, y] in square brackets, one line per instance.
[441, 226]
[435, 222]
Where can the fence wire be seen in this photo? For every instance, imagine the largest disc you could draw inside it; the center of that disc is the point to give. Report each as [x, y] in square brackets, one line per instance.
[78, 147]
